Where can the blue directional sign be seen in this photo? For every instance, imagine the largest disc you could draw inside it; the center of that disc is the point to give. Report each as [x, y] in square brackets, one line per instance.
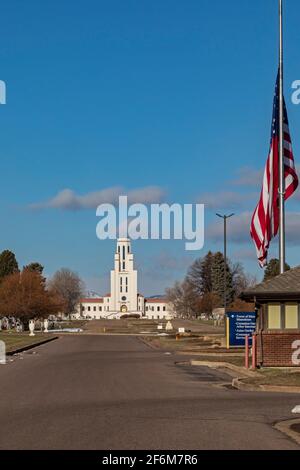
[240, 324]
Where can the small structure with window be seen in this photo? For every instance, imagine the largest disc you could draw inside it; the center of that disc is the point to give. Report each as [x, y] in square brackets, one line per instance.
[277, 302]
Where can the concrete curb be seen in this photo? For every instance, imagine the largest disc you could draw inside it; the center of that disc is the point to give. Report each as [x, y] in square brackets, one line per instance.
[31, 346]
[150, 345]
[240, 385]
[225, 365]
[285, 428]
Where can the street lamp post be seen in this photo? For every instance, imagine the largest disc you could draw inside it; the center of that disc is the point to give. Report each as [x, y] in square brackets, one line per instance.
[225, 217]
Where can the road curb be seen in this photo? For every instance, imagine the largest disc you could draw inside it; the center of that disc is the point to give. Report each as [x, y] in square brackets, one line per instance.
[150, 345]
[225, 365]
[285, 428]
[30, 346]
[240, 385]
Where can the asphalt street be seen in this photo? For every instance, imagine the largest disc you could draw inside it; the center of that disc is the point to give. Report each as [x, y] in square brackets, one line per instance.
[115, 392]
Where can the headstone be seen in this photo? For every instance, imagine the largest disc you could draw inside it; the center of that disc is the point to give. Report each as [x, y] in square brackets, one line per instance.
[169, 326]
[31, 327]
[2, 353]
[181, 330]
[46, 324]
[160, 327]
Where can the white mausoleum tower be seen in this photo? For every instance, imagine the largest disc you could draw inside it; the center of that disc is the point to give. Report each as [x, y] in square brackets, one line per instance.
[123, 299]
[123, 280]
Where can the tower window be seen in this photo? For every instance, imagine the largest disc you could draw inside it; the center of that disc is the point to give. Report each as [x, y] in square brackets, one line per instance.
[123, 252]
[124, 265]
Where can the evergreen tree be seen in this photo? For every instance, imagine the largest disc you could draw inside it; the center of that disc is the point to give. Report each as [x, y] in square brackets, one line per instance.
[218, 278]
[273, 269]
[35, 268]
[199, 275]
[206, 273]
[8, 264]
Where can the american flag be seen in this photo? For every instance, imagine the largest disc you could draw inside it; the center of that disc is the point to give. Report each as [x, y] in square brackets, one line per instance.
[265, 220]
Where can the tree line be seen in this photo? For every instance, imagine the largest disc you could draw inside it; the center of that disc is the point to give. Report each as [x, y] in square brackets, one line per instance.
[25, 293]
[202, 289]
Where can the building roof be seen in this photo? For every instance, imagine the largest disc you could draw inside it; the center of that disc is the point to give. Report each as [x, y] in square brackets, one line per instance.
[161, 300]
[286, 285]
[91, 300]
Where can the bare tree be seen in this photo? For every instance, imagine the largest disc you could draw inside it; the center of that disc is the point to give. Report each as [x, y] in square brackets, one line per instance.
[241, 281]
[69, 287]
[203, 288]
[183, 299]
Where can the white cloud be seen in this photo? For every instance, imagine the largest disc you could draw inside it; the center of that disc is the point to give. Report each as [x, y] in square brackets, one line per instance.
[245, 254]
[293, 228]
[225, 200]
[247, 176]
[69, 200]
[166, 266]
[238, 229]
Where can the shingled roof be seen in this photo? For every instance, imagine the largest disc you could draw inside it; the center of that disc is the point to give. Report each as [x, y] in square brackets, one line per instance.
[286, 285]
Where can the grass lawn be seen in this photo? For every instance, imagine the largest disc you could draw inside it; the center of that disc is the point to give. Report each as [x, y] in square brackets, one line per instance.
[131, 326]
[169, 342]
[14, 340]
[287, 377]
[237, 361]
[191, 346]
[71, 324]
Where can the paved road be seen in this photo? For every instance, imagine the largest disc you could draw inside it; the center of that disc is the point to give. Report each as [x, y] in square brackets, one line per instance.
[97, 392]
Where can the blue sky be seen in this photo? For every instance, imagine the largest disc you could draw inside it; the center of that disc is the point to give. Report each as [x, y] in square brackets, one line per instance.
[175, 95]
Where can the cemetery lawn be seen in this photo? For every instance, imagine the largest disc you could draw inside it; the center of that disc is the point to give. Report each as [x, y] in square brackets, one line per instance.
[15, 341]
[196, 348]
[276, 376]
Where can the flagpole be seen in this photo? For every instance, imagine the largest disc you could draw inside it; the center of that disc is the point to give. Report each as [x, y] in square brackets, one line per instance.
[281, 150]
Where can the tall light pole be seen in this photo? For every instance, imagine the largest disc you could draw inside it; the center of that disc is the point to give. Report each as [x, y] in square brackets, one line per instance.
[225, 217]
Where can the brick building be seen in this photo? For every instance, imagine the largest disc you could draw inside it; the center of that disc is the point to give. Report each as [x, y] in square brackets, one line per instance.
[277, 302]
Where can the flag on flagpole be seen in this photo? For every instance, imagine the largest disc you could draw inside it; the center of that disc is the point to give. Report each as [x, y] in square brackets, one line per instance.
[265, 220]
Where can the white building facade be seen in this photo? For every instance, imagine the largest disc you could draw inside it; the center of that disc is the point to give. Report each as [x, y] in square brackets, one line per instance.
[124, 299]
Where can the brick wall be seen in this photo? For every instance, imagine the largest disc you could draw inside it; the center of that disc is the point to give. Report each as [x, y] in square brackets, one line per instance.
[278, 348]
